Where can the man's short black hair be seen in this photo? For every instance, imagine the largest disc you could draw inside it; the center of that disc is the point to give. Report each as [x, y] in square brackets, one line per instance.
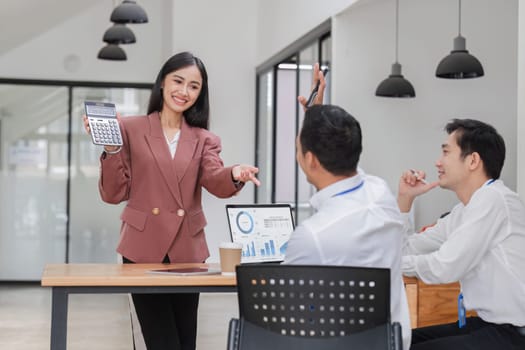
[475, 136]
[333, 136]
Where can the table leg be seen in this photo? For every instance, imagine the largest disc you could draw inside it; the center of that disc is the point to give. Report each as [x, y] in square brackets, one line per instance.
[59, 318]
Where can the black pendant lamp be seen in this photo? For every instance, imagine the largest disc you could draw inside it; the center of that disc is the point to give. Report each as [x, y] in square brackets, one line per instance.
[460, 64]
[119, 34]
[396, 85]
[112, 52]
[129, 12]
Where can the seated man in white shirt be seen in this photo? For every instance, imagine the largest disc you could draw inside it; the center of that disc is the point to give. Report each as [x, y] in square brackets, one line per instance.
[480, 243]
[357, 221]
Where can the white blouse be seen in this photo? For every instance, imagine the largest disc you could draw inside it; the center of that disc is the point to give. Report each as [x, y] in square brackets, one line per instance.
[173, 143]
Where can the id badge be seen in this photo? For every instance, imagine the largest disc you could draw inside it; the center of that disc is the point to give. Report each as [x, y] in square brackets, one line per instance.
[462, 318]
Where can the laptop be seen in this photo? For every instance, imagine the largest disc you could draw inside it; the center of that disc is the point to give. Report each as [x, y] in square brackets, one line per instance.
[262, 229]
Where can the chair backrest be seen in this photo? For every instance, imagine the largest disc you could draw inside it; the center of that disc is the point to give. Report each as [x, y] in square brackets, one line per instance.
[303, 306]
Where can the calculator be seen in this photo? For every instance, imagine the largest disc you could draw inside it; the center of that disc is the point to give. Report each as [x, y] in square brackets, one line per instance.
[103, 123]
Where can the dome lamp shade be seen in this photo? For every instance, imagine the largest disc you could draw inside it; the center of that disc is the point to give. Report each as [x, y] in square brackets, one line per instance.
[459, 64]
[128, 12]
[112, 52]
[396, 85]
[119, 34]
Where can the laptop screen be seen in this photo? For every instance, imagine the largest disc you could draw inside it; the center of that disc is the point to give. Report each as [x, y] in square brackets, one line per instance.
[263, 230]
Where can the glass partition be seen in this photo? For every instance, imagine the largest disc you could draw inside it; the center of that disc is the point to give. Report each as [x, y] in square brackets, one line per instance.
[50, 208]
[33, 179]
[94, 225]
[264, 136]
[279, 118]
[285, 131]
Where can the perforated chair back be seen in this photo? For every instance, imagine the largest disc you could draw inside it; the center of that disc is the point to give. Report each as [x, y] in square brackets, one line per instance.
[313, 307]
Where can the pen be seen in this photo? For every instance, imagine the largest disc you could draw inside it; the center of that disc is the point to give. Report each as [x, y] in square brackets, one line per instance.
[313, 95]
[417, 176]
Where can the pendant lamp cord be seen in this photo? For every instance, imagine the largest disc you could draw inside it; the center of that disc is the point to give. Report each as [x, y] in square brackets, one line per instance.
[397, 29]
[459, 21]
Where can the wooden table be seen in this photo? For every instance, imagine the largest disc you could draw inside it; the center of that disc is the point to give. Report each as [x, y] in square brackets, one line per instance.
[65, 279]
[428, 304]
[412, 297]
[432, 304]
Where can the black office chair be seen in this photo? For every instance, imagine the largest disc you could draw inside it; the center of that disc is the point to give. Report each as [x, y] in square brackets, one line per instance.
[285, 307]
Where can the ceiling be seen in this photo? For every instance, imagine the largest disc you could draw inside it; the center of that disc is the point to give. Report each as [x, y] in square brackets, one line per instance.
[20, 20]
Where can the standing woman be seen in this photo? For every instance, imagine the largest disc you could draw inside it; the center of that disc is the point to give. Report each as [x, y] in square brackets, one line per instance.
[166, 159]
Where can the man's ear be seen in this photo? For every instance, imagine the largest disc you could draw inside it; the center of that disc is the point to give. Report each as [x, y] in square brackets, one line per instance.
[475, 161]
[311, 161]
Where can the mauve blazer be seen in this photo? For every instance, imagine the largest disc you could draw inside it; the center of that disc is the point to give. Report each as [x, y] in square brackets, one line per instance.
[163, 215]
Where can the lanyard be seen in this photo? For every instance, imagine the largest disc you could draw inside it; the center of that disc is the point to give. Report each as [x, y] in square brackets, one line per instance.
[490, 181]
[356, 187]
[462, 317]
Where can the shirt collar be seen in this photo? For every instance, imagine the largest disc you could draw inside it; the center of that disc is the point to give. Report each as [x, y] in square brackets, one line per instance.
[328, 192]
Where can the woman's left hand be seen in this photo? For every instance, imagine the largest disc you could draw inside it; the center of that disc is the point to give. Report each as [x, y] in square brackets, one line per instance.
[245, 173]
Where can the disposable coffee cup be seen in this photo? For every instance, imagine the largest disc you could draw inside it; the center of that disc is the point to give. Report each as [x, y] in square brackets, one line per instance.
[230, 255]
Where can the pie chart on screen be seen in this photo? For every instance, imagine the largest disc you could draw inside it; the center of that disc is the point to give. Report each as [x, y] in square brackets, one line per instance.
[244, 222]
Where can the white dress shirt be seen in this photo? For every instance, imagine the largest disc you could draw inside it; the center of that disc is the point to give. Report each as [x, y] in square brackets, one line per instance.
[481, 245]
[357, 223]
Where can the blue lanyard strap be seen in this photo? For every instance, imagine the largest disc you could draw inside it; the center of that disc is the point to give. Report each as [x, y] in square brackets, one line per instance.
[355, 188]
[462, 314]
[491, 181]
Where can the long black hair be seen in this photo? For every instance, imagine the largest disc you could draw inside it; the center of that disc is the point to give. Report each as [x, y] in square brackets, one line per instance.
[197, 115]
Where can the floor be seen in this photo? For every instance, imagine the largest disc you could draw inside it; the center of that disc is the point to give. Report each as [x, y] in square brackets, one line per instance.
[98, 321]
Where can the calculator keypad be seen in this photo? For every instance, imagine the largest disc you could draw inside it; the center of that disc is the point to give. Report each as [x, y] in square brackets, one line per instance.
[105, 131]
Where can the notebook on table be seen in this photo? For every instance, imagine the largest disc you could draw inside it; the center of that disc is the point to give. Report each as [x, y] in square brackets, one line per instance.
[262, 229]
[186, 271]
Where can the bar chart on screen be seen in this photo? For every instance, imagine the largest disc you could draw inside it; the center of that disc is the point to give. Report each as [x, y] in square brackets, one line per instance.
[263, 230]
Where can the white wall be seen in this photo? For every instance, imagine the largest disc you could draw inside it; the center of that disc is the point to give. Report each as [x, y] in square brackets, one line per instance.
[281, 22]
[404, 133]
